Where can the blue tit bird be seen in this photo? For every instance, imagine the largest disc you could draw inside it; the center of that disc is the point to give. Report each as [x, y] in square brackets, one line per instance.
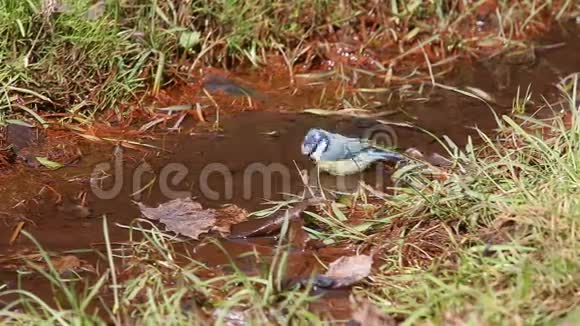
[340, 155]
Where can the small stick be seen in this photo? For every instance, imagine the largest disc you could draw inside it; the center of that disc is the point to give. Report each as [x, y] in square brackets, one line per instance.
[16, 232]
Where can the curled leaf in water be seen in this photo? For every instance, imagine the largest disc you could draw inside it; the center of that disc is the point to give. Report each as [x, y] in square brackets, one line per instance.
[345, 271]
[271, 224]
[48, 163]
[65, 263]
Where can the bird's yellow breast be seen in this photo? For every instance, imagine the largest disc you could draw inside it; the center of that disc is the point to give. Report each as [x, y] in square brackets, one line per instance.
[343, 167]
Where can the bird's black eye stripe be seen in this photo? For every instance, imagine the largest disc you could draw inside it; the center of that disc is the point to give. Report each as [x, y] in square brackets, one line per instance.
[313, 149]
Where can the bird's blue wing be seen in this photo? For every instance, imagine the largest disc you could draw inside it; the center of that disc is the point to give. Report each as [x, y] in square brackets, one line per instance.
[353, 147]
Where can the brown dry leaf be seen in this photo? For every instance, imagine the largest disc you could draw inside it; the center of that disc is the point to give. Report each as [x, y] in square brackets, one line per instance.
[182, 216]
[228, 216]
[346, 271]
[66, 263]
[271, 224]
[368, 314]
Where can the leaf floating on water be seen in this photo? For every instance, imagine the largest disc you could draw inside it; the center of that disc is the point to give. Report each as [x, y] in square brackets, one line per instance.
[228, 216]
[182, 216]
[186, 217]
[346, 271]
[48, 163]
[66, 263]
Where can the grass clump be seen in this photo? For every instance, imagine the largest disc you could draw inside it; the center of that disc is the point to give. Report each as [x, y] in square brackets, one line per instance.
[156, 282]
[76, 57]
[510, 231]
[491, 240]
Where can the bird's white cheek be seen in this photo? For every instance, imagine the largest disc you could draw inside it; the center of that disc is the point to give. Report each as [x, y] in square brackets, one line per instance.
[317, 154]
[319, 150]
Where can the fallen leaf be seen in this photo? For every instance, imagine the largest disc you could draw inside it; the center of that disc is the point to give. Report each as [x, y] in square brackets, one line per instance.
[414, 153]
[182, 216]
[271, 224]
[66, 263]
[48, 163]
[440, 160]
[345, 271]
[228, 216]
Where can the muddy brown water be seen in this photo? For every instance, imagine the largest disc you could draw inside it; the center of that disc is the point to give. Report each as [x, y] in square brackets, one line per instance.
[245, 141]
